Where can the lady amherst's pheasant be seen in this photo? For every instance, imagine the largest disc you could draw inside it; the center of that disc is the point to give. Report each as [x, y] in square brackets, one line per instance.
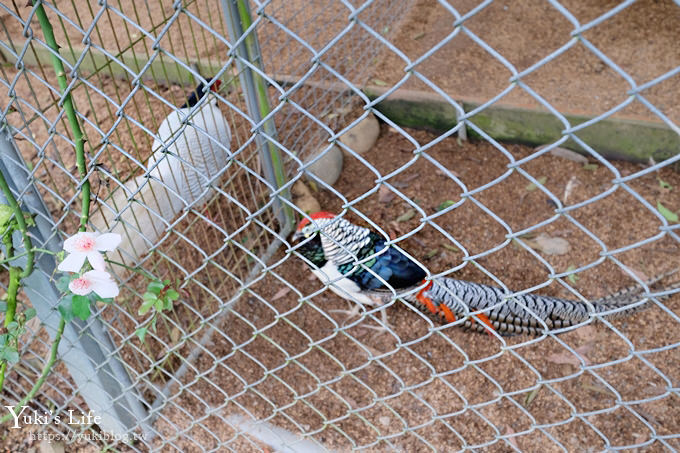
[357, 265]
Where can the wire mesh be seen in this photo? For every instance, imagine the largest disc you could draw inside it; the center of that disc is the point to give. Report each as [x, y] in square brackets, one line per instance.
[253, 357]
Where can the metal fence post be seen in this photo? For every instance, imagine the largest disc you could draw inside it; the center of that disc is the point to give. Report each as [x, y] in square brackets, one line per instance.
[238, 19]
[86, 348]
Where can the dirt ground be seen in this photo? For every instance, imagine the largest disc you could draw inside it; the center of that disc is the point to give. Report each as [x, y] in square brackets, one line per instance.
[292, 360]
[419, 387]
[640, 40]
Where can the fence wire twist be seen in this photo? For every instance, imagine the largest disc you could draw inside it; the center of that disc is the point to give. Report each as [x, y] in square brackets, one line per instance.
[252, 358]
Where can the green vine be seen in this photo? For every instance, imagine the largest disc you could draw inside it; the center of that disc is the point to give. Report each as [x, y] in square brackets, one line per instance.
[12, 219]
[83, 285]
[70, 110]
[9, 339]
[45, 372]
[20, 225]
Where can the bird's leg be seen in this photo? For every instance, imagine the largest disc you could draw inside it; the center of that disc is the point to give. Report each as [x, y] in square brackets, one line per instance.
[351, 313]
[356, 311]
[386, 327]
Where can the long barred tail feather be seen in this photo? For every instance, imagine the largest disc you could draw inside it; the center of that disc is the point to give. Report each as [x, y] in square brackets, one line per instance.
[448, 300]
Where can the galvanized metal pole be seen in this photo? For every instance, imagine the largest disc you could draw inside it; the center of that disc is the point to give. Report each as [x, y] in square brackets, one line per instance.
[257, 100]
[86, 348]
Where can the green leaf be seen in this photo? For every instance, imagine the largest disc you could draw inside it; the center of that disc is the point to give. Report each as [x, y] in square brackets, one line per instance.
[29, 313]
[62, 283]
[5, 216]
[12, 327]
[431, 254]
[141, 333]
[3, 339]
[379, 82]
[146, 305]
[159, 304]
[171, 295]
[664, 185]
[108, 300]
[533, 186]
[65, 308]
[3, 306]
[572, 277]
[9, 354]
[590, 167]
[155, 287]
[408, 215]
[445, 205]
[667, 213]
[449, 247]
[28, 219]
[167, 304]
[149, 296]
[81, 306]
[531, 396]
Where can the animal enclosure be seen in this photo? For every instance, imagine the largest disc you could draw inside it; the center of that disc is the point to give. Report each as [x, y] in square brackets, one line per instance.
[532, 146]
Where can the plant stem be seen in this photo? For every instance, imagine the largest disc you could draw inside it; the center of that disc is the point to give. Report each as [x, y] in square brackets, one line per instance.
[21, 222]
[46, 370]
[70, 110]
[3, 367]
[21, 255]
[12, 289]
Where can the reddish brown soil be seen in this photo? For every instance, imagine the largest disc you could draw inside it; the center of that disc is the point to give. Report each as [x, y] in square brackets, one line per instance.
[418, 378]
[288, 358]
[641, 40]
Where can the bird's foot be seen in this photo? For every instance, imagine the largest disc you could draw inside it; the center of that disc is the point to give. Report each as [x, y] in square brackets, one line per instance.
[382, 327]
[349, 314]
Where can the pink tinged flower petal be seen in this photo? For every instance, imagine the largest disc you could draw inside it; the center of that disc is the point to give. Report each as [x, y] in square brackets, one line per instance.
[102, 283]
[80, 243]
[108, 242]
[81, 286]
[96, 259]
[72, 263]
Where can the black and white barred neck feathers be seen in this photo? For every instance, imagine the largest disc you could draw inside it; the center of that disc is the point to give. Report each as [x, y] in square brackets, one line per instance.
[342, 240]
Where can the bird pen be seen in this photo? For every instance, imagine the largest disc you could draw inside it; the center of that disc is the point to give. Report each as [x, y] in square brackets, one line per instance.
[515, 163]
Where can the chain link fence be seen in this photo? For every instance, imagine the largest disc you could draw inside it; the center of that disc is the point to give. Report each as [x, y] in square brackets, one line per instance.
[254, 357]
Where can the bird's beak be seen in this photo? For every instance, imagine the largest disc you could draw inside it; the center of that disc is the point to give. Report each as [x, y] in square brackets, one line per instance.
[297, 236]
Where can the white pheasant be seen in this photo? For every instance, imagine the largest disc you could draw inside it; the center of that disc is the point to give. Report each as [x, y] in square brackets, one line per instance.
[190, 150]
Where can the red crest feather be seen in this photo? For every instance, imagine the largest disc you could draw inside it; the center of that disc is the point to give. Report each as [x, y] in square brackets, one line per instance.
[317, 215]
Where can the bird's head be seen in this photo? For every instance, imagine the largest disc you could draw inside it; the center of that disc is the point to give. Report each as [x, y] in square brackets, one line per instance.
[197, 94]
[306, 228]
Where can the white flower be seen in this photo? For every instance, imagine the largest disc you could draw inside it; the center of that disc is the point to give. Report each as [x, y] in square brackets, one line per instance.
[98, 281]
[88, 245]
